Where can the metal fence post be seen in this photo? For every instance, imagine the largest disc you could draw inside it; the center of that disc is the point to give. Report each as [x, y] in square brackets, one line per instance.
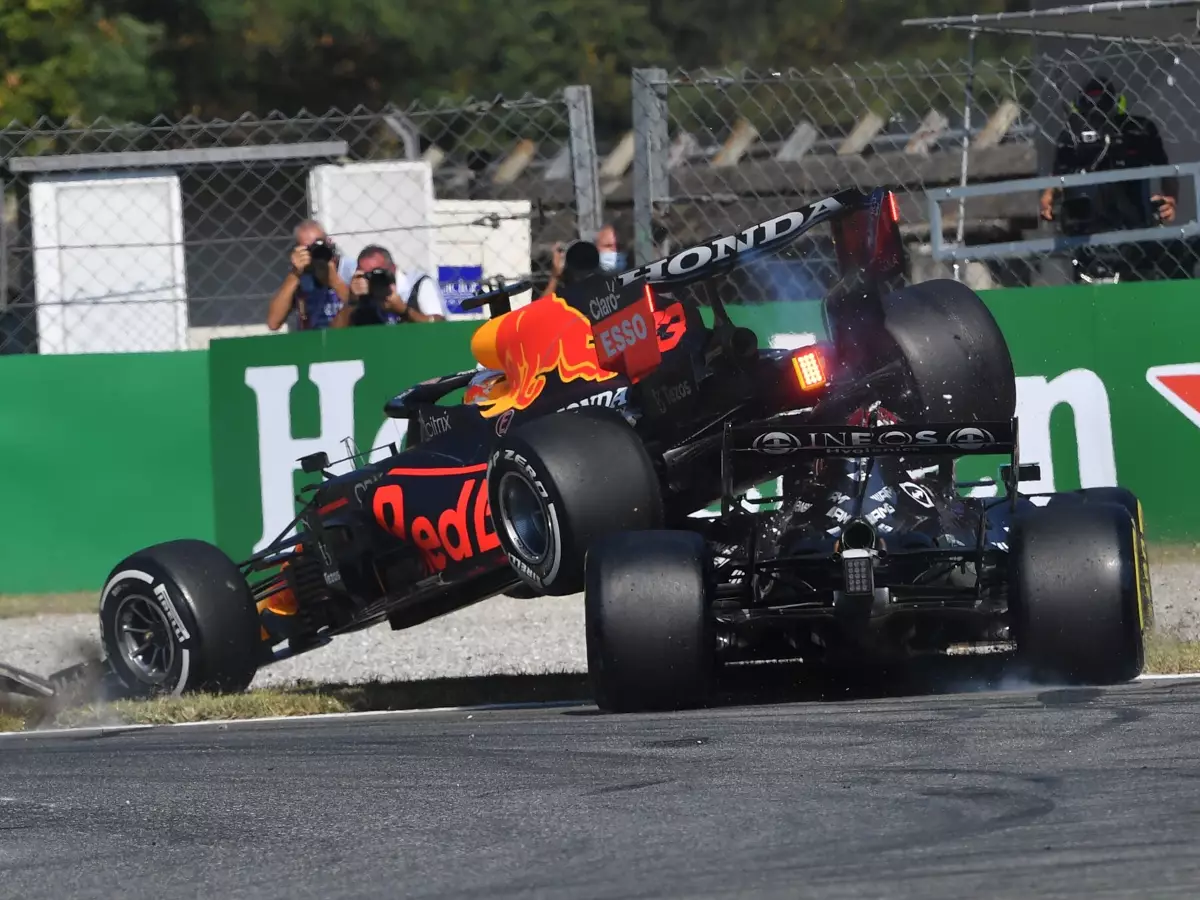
[585, 166]
[651, 184]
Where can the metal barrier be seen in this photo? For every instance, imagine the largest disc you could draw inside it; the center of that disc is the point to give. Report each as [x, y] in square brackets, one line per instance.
[1017, 249]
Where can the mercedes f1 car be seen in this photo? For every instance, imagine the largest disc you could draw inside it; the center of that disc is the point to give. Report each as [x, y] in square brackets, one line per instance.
[597, 425]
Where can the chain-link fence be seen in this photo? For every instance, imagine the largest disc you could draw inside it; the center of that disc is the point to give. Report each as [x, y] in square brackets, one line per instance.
[718, 151]
[121, 237]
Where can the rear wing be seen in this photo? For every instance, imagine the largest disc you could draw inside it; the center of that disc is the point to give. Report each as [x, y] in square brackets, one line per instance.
[940, 439]
[950, 439]
[620, 307]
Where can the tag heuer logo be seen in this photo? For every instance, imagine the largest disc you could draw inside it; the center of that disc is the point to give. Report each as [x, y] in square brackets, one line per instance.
[966, 438]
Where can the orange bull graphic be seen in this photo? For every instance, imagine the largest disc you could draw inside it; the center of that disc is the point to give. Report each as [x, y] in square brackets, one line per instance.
[527, 344]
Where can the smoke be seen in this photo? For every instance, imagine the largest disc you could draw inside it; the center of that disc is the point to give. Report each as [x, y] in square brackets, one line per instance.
[996, 673]
[83, 691]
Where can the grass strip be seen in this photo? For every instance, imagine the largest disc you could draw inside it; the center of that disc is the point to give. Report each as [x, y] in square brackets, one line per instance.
[304, 699]
[1168, 654]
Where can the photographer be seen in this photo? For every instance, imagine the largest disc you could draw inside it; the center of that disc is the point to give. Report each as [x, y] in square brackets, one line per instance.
[374, 298]
[1101, 135]
[316, 285]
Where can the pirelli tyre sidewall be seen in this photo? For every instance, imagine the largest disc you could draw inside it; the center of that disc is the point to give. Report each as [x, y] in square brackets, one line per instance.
[584, 474]
[192, 603]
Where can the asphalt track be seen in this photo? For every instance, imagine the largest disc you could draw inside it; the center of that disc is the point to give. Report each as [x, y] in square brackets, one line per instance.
[1018, 794]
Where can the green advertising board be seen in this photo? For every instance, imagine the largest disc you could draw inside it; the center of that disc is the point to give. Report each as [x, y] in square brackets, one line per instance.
[1096, 404]
[105, 454]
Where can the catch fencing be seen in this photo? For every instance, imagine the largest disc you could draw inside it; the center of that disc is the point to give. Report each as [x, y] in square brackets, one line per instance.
[120, 237]
[718, 150]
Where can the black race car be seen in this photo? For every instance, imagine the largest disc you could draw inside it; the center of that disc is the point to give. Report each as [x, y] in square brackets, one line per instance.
[872, 558]
[596, 420]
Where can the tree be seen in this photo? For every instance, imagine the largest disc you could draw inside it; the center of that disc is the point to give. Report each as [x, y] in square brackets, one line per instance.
[67, 59]
[228, 57]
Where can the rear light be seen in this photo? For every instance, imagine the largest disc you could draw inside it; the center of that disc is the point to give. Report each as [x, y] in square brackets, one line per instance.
[893, 206]
[809, 367]
[648, 293]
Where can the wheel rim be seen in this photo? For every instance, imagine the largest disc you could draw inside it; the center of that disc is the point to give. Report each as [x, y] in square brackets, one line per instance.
[144, 638]
[525, 517]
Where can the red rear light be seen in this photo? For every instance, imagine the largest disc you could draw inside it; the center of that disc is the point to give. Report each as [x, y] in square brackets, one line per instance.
[809, 366]
[893, 206]
[650, 297]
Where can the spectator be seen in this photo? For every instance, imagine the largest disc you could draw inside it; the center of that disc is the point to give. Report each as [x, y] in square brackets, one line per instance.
[1102, 135]
[611, 259]
[375, 298]
[318, 283]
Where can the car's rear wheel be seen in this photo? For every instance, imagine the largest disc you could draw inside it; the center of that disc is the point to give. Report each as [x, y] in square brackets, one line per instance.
[178, 618]
[651, 640]
[562, 482]
[1074, 594]
[1127, 499]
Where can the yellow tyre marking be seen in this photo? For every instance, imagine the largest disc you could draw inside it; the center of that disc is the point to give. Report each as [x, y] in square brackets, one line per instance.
[1145, 591]
[1137, 577]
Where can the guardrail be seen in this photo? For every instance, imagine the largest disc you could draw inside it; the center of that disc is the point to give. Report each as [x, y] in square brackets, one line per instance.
[944, 252]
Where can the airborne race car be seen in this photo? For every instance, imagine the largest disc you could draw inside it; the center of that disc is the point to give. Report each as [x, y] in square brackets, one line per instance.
[604, 419]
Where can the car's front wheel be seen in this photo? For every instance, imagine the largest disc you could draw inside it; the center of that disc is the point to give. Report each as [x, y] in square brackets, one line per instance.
[178, 618]
[562, 482]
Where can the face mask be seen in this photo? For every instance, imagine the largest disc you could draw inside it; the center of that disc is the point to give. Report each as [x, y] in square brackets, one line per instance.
[611, 260]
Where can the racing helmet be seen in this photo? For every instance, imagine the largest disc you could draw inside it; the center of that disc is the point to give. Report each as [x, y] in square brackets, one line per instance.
[486, 386]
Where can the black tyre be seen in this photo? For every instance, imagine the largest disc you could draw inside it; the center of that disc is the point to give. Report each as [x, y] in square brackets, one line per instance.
[1074, 594]
[651, 640]
[562, 482]
[957, 358]
[177, 618]
[1128, 499]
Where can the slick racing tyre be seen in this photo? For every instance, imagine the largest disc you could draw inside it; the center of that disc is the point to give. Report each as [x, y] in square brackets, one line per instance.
[1074, 594]
[562, 482]
[1125, 498]
[177, 618]
[651, 639]
[958, 361]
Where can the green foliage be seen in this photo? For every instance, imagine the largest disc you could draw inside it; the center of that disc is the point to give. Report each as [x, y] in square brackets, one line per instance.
[226, 57]
[67, 59]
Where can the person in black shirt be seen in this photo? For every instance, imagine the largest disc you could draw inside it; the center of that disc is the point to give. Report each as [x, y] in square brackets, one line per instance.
[1102, 135]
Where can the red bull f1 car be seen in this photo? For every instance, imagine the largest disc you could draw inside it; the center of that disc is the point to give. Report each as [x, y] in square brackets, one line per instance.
[601, 420]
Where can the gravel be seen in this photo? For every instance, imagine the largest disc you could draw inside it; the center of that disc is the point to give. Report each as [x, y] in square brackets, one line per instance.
[498, 636]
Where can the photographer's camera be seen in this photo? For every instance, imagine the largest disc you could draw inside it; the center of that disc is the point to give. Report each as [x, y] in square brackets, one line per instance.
[379, 283]
[321, 251]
